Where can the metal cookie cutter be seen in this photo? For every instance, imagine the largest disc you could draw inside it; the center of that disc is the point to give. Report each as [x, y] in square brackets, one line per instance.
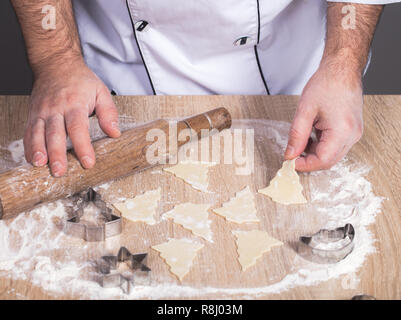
[110, 228]
[363, 297]
[108, 264]
[328, 246]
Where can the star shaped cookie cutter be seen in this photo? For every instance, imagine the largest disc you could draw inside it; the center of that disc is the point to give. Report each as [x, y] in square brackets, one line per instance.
[109, 264]
[74, 227]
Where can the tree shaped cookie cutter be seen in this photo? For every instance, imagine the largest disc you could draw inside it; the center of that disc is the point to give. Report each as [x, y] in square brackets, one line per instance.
[73, 227]
[328, 246]
[109, 264]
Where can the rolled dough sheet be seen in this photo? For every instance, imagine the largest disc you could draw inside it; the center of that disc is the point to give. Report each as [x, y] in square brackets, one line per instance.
[193, 172]
[251, 245]
[141, 208]
[193, 217]
[179, 254]
[285, 187]
[241, 208]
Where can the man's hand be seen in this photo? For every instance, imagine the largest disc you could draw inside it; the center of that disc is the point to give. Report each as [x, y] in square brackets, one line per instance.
[60, 104]
[65, 90]
[332, 100]
[331, 103]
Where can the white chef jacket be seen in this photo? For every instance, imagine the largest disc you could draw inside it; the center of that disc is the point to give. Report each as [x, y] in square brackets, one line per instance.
[179, 47]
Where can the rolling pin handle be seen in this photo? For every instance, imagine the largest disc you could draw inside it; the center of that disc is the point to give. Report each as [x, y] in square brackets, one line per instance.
[218, 119]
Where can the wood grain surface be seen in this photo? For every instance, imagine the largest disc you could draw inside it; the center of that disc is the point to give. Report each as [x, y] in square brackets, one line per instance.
[380, 149]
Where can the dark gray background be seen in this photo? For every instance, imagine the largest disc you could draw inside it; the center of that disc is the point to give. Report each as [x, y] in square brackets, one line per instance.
[383, 76]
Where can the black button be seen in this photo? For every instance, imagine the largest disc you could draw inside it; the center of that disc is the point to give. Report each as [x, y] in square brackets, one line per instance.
[242, 41]
[141, 25]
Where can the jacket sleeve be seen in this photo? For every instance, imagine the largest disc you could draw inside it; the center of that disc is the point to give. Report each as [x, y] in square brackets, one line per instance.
[367, 1]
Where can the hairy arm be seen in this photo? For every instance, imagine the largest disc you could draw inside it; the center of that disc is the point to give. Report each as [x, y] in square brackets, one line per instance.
[65, 90]
[348, 40]
[332, 100]
[48, 47]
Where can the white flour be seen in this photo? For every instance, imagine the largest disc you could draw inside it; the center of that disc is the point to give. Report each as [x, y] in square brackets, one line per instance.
[33, 247]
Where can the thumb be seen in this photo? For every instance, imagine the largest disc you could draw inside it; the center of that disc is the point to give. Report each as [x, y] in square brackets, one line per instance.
[300, 131]
[107, 114]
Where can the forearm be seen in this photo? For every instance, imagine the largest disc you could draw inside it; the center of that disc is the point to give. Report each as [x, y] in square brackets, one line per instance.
[48, 49]
[332, 100]
[347, 48]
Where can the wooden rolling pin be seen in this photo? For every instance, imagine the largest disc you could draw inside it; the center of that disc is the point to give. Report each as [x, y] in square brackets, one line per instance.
[25, 187]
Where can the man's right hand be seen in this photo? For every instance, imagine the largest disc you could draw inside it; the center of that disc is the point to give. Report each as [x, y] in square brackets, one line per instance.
[62, 99]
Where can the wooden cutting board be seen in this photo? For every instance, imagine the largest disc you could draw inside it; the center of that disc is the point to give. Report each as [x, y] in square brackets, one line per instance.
[216, 265]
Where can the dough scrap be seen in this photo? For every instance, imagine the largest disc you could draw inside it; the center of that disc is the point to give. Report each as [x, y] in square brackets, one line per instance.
[193, 172]
[241, 208]
[178, 254]
[140, 208]
[193, 217]
[251, 245]
[285, 187]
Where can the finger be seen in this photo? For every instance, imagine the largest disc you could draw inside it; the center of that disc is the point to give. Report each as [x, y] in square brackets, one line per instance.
[300, 131]
[107, 114]
[77, 124]
[324, 153]
[56, 144]
[27, 143]
[342, 152]
[311, 147]
[38, 154]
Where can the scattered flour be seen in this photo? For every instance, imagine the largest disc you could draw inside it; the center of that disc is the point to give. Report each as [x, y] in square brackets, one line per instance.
[33, 247]
[16, 149]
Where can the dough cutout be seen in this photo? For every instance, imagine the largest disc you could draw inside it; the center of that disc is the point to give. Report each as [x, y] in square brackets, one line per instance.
[178, 254]
[285, 187]
[239, 209]
[140, 208]
[193, 172]
[251, 245]
[193, 217]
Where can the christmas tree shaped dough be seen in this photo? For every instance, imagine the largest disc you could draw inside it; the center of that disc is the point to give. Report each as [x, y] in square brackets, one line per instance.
[193, 217]
[193, 172]
[179, 255]
[239, 209]
[251, 245]
[141, 208]
[285, 187]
